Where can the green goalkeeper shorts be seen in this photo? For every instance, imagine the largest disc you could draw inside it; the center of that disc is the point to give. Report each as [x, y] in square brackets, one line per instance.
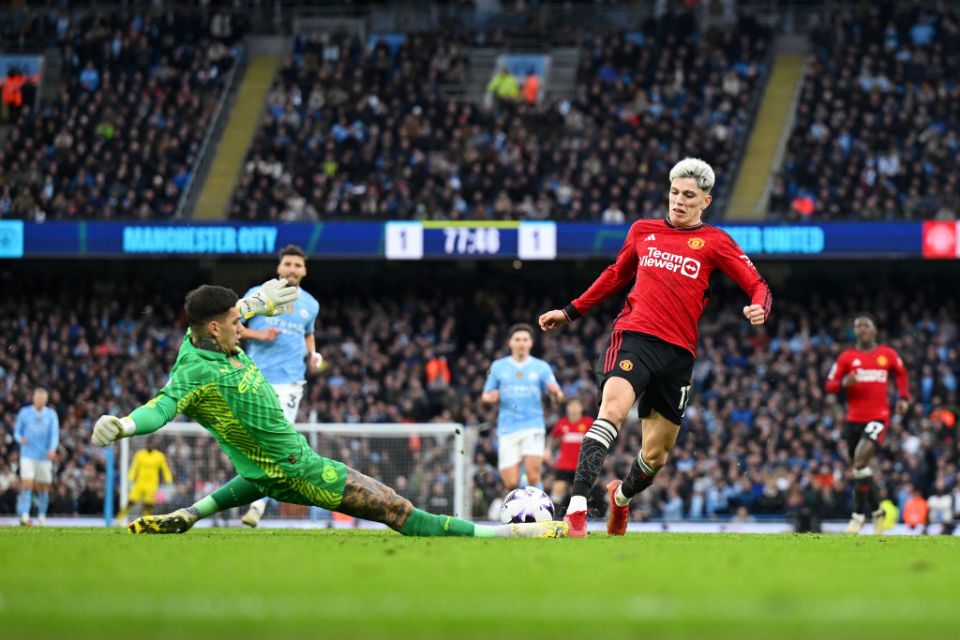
[313, 481]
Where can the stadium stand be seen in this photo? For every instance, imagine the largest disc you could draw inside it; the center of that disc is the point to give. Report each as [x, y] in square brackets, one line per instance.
[22, 31]
[363, 132]
[760, 435]
[876, 134]
[348, 130]
[121, 137]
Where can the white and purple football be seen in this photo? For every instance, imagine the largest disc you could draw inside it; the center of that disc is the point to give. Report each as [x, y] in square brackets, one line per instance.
[526, 504]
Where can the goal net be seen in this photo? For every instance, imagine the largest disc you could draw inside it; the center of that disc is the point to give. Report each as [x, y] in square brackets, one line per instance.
[426, 463]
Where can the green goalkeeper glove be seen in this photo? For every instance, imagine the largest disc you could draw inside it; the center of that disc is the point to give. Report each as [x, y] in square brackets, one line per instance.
[269, 299]
[111, 428]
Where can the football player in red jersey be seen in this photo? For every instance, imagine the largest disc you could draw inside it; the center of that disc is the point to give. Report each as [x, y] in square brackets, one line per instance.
[864, 373]
[568, 433]
[650, 353]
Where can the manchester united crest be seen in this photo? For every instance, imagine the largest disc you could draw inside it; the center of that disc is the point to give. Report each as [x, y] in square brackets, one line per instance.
[882, 361]
[626, 365]
[696, 243]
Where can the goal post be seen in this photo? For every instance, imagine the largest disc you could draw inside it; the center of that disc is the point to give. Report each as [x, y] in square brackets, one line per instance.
[428, 463]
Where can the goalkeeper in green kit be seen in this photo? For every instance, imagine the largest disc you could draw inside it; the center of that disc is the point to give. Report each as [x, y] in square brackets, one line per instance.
[215, 383]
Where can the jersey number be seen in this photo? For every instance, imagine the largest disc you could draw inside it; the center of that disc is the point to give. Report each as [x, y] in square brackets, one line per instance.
[684, 398]
[873, 429]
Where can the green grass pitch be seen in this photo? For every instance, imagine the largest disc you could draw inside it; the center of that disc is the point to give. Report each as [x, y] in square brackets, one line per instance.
[215, 583]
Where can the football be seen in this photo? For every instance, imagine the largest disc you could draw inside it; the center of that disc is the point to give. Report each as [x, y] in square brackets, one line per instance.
[526, 504]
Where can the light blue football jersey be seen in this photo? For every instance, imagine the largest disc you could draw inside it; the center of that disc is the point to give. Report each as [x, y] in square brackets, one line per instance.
[283, 361]
[42, 432]
[521, 389]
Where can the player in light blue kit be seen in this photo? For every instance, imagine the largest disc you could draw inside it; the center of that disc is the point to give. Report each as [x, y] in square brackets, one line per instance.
[282, 346]
[518, 383]
[37, 431]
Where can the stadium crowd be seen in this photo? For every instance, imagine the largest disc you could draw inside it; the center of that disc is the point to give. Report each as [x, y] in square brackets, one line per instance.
[121, 138]
[760, 435]
[876, 135]
[366, 132]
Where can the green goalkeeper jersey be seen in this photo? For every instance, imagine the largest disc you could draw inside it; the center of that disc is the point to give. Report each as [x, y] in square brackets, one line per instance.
[241, 409]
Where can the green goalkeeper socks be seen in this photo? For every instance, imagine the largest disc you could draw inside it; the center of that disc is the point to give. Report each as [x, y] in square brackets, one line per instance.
[235, 493]
[421, 523]
[206, 507]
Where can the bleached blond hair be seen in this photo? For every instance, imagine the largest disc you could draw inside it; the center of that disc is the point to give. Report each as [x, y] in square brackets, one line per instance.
[698, 170]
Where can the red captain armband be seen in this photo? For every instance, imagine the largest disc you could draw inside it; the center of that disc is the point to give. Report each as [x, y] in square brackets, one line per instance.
[571, 312]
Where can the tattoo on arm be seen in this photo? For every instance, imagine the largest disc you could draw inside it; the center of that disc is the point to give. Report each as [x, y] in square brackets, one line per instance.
[364, 497]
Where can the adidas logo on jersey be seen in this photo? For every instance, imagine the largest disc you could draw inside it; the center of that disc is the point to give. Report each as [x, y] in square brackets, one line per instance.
[856, 362]
[650, 238]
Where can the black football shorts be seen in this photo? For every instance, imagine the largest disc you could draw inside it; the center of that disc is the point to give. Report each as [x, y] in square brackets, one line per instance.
[873, 430]
[659, 372]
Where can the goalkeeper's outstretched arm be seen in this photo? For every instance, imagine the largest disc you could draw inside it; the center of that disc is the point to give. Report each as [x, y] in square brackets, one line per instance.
[142, 421]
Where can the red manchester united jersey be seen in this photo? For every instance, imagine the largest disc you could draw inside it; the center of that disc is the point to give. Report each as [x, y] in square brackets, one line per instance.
[867, 397]
[672, 267]
[570, 435]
